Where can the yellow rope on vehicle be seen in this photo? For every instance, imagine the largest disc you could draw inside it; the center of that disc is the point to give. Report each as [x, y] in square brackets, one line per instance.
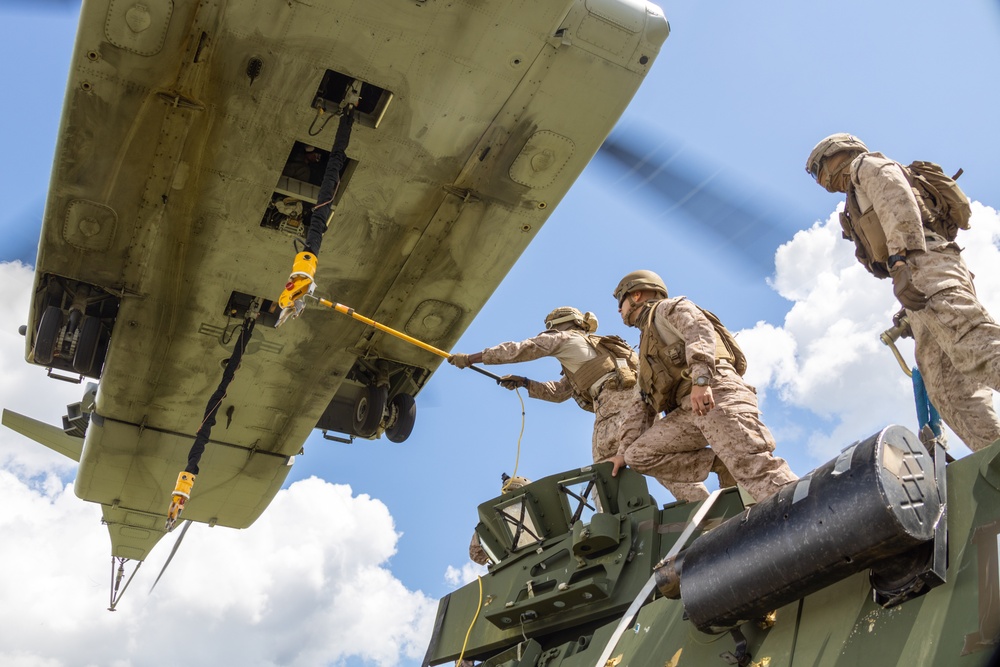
[469, 631]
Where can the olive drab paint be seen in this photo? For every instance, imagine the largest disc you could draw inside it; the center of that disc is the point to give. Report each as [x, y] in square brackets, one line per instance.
[556, 602]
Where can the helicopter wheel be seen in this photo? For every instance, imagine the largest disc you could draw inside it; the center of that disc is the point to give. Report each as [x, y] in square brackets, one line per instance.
[368, 409]
[405, 410]
[47, 334]
[86, 345]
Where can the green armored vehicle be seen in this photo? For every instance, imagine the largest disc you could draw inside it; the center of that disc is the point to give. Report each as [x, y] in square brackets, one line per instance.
[883, 556]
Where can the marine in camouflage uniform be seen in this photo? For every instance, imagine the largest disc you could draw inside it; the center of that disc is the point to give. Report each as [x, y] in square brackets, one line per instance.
[896, 235]
[687, 372]
[597, 379]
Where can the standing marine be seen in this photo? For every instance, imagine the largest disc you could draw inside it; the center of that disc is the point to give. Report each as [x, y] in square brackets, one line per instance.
[698, 406]
[903, 221]
[598, 372]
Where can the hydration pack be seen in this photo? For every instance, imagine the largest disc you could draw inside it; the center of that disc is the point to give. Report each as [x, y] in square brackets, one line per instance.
[726, 337]
[944, 207]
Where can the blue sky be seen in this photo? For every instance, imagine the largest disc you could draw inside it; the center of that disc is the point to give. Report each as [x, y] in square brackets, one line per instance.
[738, 96]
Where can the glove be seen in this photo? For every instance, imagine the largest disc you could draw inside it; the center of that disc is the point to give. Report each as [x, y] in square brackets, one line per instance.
[512, 382]
[902, 286]
[902, 324]
[459, 360]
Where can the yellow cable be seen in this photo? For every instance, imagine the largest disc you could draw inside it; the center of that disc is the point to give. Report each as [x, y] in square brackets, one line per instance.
[517, 462]
[469, 631]
[517, 459]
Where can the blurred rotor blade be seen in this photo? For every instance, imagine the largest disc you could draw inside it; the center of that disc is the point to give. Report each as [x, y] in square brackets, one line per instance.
[40, 5]
[177, 544]
[21, 234]
[752, 225]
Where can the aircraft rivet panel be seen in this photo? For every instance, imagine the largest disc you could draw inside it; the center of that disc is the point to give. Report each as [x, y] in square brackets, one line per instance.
[139, 27]
[89, 225]
[543, 157]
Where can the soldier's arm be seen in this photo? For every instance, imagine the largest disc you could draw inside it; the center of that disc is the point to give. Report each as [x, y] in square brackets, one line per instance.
[543, 345]
[698, 335]
[883, 182]
[555, 392]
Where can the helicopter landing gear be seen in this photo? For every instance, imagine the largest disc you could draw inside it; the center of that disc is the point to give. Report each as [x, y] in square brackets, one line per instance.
[368, 410]
[402, 416]
[86, 345]
[47, 335]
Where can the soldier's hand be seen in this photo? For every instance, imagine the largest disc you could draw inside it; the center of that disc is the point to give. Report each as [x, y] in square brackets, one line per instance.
[908, 294]
[702, 400]
[459, 360]
[513, 382]
[902, 324]
[619, 462]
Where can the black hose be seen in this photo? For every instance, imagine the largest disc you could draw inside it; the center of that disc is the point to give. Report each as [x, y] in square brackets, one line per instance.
[321, 213]
[205, 432]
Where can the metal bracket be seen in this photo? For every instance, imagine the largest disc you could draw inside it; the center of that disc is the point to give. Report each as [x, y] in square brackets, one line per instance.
[346, 441]
[253, 311]
[65, 378]
[740, 656]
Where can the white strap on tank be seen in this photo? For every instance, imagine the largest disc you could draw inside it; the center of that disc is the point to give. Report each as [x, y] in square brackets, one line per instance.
[647, 588]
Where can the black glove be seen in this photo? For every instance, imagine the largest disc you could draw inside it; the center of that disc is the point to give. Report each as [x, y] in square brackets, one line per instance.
[902, 286]
[512, 382]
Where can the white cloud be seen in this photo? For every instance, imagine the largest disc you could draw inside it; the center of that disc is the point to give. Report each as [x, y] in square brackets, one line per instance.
[827, 356]
[308, 584]
[466, 574]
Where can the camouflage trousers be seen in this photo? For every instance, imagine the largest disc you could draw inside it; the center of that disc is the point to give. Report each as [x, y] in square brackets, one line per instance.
[682, 446]
[619, 417]
[958, 354]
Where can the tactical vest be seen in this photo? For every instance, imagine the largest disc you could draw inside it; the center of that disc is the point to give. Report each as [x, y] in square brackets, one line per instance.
[613, 356]
[865, 230]
[944, 209]
[665, 378]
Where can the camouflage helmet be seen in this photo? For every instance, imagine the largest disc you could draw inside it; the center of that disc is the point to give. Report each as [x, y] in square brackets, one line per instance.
[835, 143]
[639, 280]
[563, 314]
[585, 321]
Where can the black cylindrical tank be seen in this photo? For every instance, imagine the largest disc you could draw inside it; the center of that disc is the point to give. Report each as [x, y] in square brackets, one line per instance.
[875, 500]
